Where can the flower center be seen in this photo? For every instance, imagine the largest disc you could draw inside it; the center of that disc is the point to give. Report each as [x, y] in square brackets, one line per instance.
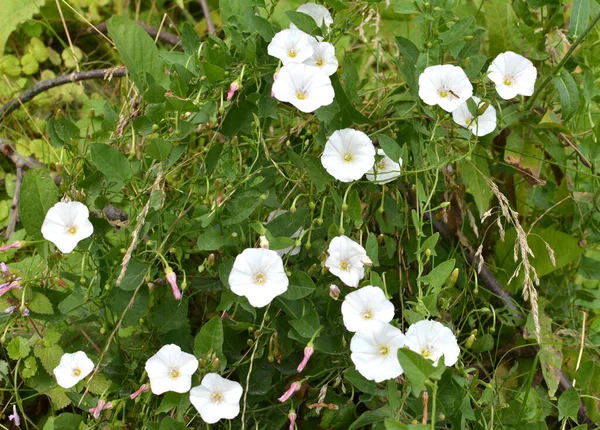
[301, 95]
[174, 373]
[384, 350]
[443, 93]
[381, 165]
[76, 372]
[368, 314]
[292, 53]
[348, 157]
[508, 81]
[260, 278]
[345, 265]
[217, 397]
[319, 62]
[469, 121]
[426, 352]
[72, 230]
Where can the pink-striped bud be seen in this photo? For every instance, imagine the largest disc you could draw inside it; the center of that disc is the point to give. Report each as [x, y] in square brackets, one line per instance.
[334, 292]
[172, 280]
[292, 417]
[101, 406]
[308, 352]
[13, 245]
[232, 89]
[140, 390]
[15, 417]
[290, 391]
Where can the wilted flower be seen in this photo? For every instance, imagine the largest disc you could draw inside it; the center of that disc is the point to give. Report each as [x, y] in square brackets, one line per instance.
[100, 406]
[290, 391]
[171, 369]
[385, 170]
[334, 292]
[306, 87]
[432, 339]
[15, 417]
[366, 307]
[291, 46]
[258, 275]
[171, 278]
[72, 369]
[232, 89]
[66, 224]
[345, 260]
[481, 125]
[445, 85]
[291, 250]
[143, 388]
[216, 398]
[513, 74]
[323, 57]
[348, 155]
[317, 12]
[375, 352]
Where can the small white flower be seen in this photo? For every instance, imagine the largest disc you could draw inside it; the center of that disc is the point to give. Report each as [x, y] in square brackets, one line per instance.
[375, 352]
[480, 126]
[306, 87]
[324, 57]
[317, 12]
[432, 339]
[258, 275]
[72, 369]
[291, 46]
[171, 369]
[445, 85]
[346, 260]
[385, 170]
[366, 307]
[292, 250]
[66, 224]
[216, 398]
[513, 74]
[348, 155]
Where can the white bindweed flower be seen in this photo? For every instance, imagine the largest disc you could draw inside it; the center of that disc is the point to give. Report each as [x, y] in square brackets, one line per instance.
[171, 369]
[72, 369]
[292, 250]
[258, 275]
[317, 12]
[306, 87]
[366, 307]
[66, 224]
[482, 124]
[375, 352]
[291, 46]
[513, 74]
[324, 57]
[445, 85]
[385, 170]
[216, 398]
[348, 155]
[346, 260]
[432, 339]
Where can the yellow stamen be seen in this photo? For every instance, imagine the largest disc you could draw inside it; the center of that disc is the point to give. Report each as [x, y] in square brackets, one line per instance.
[384, 350]
[300, 95]
[345, 265]
[508, 81]
[381, 165]
[348, 157]
[174, 373]
[72, 230]
[260, 278]
[425, 352]
[443, 94]
[217, 397]
[367, 315]
[76, 372]
[292, 53]
[319, 62]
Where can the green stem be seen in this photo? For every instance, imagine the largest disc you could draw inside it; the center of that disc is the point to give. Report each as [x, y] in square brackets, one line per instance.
[434, 389]
[562, 62]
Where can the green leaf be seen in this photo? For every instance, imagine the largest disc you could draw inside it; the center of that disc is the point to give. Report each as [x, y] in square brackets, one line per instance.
[316, 172]
[209, 339]
[212, 72]
[404, 7]
[99, 384]
[38, 194]
[17, 348]
[307, 325]
[241, 206]
[476, 185]
[390, 147]
[211, 239]
[409, 57]
[49, 356]
[568, 92]
[301, 285]
[371, 417]
[354, 207]
[138, 51]
[134, 275]
[14, 13]
[40, 304]
[111, 163]
[239, 119]
[350, 113]
[372, 249]
[502, 27]
[417, 369]
[304, 22]
[169, 423]
[580, 16]
[438, 275]
[361, 382]
[568, 404]
[263, 27]
[62, 132]
[66, 421]
[458, 31]
[395, 425]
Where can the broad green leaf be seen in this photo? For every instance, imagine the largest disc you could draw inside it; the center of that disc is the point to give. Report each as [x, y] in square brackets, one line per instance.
[301, 285]
[40, 304]
[210, 339]
[134, 275]
[568, 404]
[354, 207]
[304, 22]
[38, 194]
[580, 16]
[371, 417]
[395, 425]
[417, 369]
[211, 240]
[262, 26]
[316, 173]
[404, 7]
[111, 162]
[372, 249]
[58, 397]
[239, 119]
[360, 382]
[307, 325]
[169, 423]
[15, 12]
[458, 31]
[62, 132]
[350, 113]
[438, 275]
[30, 367]
[501, 25]
[17, 348]
[476, 186]
[138, 51]
[49, 356]
[241, 206]
[390, 147]
[99, 384]
[568, 92]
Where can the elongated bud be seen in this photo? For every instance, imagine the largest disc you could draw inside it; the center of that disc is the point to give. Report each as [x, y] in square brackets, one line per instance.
[453, 278]
[264, 243]
[232, 89]
[482, 108]
[101, 406]
[290, 391]
[470, 341]
[308, 352]
[366, 261]
[292, 417]
[334, 292]
[139, 391]
[14, 245]
[172, 280]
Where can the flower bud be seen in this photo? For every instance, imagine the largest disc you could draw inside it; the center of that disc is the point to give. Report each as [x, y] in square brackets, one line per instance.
[334, 292]
[172, 280]
[232, 89]
[308, 352]
[290, 391]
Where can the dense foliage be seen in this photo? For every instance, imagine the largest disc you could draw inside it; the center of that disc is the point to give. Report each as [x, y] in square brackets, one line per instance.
[193, 171]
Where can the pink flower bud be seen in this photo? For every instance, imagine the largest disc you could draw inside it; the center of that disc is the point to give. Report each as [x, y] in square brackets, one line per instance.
[10, 309]
[290, 391]
[13, 245]
[15, 417]
[172, 279]
[101, 406]
[292, 417]
[232, 89]
[308, 351]
[140, 390]
[334, 292]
